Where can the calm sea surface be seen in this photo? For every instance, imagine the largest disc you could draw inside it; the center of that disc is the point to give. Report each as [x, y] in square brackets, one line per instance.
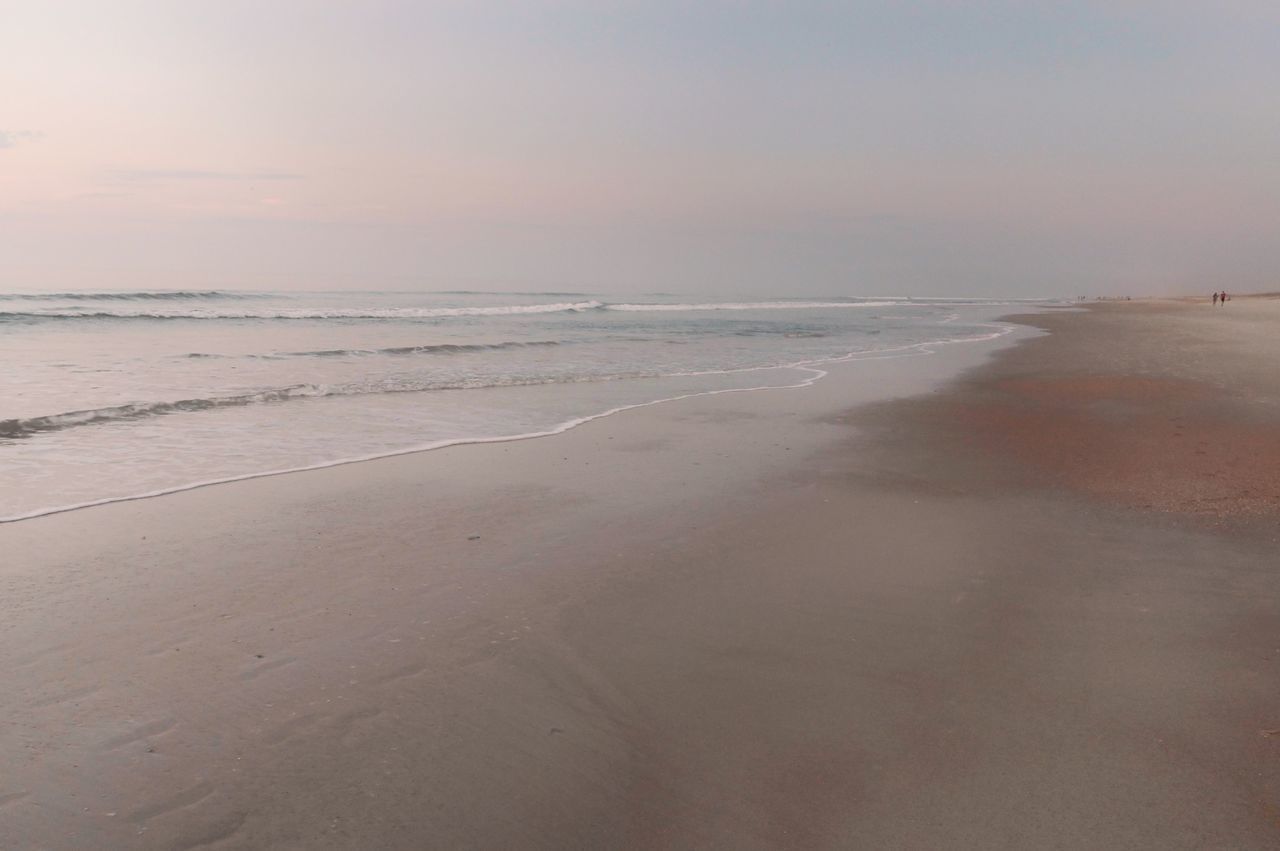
[106, 396]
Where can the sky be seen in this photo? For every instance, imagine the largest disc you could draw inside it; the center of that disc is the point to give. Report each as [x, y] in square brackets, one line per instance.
[764, 148]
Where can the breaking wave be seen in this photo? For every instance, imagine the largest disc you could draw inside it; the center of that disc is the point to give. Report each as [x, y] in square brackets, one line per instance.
[67, 313]
[18, 429]
[436, 349]
[752, 305]
[144, 295]
[21, 428]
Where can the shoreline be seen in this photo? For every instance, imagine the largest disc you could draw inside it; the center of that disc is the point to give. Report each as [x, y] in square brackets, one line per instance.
[858, 622]
[913, 350]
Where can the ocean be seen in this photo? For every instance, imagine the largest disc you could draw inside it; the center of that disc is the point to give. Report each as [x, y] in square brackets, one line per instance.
[115, 395]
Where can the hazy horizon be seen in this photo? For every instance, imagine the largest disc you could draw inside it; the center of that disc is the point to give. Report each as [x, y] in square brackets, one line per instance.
[996, 149]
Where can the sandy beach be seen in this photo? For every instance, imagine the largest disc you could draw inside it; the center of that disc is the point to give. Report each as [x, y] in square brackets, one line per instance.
[1016, 594]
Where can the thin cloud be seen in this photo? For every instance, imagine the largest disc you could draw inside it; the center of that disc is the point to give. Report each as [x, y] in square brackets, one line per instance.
[9, 138]
[142, 175]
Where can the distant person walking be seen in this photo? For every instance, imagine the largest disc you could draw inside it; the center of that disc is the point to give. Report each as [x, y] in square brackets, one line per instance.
[1215, 298]
[1222, 299]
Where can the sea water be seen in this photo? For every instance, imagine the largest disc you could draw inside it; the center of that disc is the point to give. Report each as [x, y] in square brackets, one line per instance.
[113, 395]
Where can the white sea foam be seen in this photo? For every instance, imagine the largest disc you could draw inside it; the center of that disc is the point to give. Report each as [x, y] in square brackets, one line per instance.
[749, 305]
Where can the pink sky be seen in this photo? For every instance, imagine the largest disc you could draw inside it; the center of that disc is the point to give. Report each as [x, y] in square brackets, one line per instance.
[928, 148]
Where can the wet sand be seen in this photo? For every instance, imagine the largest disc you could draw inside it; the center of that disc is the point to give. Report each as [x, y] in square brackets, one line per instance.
[1032, 607]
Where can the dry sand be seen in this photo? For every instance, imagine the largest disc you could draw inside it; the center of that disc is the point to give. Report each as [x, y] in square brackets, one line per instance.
[1010, 612]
